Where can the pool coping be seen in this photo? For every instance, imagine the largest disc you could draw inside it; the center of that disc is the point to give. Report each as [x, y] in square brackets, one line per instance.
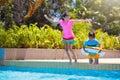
[104, 64]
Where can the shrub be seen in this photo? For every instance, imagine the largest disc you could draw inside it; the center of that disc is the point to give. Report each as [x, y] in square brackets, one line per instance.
[45, 37]
[3, 35]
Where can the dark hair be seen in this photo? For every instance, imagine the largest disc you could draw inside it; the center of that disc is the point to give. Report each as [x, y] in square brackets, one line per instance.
[64, 15]
[91, 34]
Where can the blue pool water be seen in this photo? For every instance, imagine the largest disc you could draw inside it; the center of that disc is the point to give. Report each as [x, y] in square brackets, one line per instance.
[17, 73]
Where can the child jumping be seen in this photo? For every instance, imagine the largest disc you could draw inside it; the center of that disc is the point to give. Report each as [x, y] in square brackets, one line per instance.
[68, 36]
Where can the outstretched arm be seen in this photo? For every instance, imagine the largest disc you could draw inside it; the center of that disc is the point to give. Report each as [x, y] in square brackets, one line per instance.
[83, 20]
[49, 19]
[54, 23]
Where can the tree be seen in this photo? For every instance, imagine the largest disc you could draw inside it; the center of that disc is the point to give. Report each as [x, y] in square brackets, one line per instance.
[111, 9]
[19, 10]
[3, 2]
[105, 13]
[5, 11]
[33, 6]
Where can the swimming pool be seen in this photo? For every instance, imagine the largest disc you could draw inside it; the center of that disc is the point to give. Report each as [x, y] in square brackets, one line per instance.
[18, 73]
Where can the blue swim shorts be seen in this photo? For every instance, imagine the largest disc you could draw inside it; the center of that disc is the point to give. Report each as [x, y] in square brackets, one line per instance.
[68, 41]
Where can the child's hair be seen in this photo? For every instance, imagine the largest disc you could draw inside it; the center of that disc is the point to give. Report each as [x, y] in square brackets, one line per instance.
[64, 15]
[91, 34]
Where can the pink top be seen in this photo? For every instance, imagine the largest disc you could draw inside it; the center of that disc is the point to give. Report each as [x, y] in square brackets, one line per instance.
[67, 29]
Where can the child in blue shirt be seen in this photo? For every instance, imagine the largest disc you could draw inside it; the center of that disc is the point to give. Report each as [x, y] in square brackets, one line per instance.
[92, 42]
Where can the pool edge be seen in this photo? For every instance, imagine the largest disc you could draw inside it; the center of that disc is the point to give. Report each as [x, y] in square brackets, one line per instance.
[60, 64]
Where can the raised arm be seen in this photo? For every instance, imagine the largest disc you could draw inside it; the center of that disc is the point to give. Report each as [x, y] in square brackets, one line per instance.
[54, 23]
[49, 19]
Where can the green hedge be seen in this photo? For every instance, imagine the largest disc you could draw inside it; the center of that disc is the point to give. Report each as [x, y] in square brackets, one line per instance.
[45, 37]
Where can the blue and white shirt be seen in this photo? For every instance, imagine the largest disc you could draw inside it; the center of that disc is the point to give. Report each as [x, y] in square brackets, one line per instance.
[91, 43]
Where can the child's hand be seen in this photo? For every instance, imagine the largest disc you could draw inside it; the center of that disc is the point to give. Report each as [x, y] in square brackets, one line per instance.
[88, 20]
[99, 51]
[45, 15]
[86, 51]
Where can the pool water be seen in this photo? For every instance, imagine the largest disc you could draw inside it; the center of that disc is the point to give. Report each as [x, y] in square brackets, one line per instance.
[18, 73]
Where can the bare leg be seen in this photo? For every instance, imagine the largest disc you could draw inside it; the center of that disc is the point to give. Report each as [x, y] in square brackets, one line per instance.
[90, 60]
[96, 61]
[66, 49]
[93, 61]
[71, 50]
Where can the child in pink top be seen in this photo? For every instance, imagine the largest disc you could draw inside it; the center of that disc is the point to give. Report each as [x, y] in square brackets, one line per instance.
[68, 36]
[67, 29]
